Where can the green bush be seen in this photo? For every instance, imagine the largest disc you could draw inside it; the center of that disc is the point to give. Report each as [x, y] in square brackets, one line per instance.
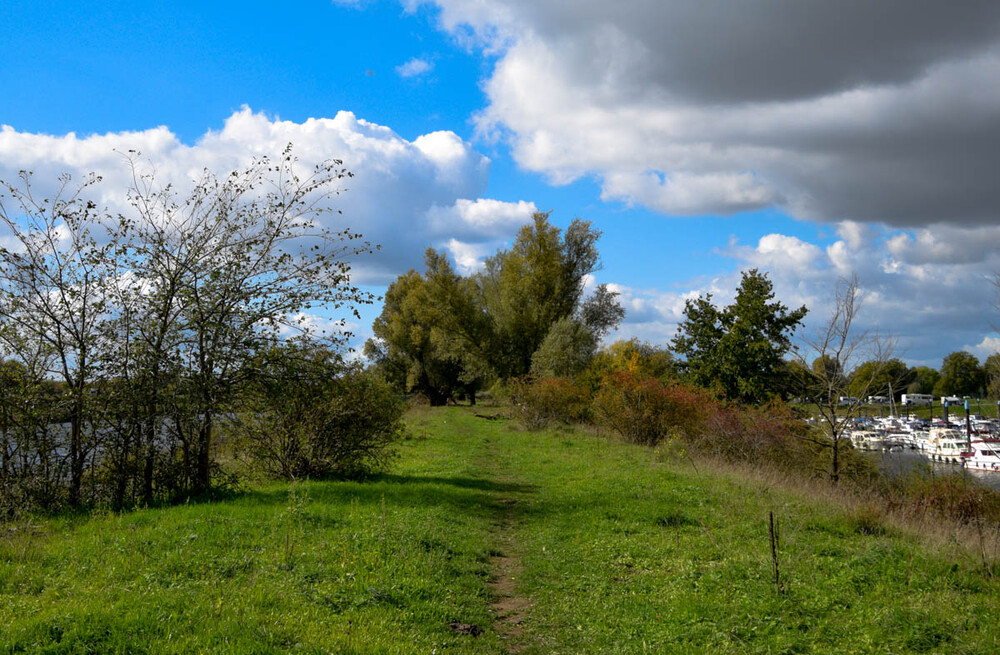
[540, 403]
[345, 426]
[363, 418]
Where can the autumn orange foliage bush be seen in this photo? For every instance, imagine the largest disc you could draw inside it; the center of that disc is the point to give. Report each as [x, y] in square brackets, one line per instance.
[649, 411]
[646, 411]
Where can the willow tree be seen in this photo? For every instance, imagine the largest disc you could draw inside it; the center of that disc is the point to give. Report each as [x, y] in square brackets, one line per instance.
[412, 349]
[527, 289]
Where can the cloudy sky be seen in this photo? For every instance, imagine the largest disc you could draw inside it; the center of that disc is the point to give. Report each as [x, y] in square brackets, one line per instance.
[812, 140]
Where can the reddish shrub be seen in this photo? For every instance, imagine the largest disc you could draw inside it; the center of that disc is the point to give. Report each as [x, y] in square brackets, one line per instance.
[748, 434]
[646, 411]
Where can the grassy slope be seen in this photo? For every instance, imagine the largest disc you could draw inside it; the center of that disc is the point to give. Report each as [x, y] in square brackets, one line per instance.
[621, 552]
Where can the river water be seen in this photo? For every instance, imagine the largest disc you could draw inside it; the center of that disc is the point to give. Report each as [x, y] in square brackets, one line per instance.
[903, 461]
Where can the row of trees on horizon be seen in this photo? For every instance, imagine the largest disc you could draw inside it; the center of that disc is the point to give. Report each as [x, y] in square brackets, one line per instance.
[446, 336]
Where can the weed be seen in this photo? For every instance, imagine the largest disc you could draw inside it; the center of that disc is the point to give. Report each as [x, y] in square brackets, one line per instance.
[866, 519]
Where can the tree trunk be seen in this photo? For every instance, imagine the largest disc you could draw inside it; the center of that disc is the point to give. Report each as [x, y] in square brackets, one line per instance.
[4, 450]
[436, 398]
[75, 454]
[835, 463]
[122, 473]
[203, 473]
[149, 458]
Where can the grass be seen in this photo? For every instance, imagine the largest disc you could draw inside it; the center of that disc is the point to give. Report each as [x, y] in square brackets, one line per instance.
[621, 550]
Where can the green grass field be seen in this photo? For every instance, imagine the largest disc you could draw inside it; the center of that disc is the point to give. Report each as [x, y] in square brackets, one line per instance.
[549, 542]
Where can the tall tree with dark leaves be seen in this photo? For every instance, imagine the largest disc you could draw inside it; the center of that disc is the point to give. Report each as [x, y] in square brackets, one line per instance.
[961, 375]
[738, 350]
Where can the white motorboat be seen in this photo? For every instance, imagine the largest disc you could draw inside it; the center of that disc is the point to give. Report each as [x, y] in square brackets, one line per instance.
[867, 440]
[946, 445]
[984, 455]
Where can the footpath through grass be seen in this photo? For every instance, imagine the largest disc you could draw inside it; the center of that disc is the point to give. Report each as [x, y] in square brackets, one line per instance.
[485, 539]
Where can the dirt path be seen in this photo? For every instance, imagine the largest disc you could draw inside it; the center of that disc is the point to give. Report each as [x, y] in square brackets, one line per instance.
[510, 609]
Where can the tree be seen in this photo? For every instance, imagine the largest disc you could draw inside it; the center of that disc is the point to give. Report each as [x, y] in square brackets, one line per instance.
[924, 378]
[32, 455]
[463, 326]
[880, 378]
[413, 344]
[828, 367]
[566, 350]
[256, 260]
[571, 342]
[601, 313]
[634, 356]
[432, 336]
[698, 339]
[53, 302]
[738, 350]
[991, 369]
[961, 375]
[525, 290]
[492, 324]
[150, 317]
[836, 345]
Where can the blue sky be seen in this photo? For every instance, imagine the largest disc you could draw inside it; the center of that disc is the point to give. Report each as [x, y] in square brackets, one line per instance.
[701, 145]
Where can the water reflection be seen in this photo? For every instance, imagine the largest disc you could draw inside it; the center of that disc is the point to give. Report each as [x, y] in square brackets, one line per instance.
[901, 462]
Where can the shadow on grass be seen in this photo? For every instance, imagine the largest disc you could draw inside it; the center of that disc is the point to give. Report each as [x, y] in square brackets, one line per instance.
[469, 496]
[480, 484]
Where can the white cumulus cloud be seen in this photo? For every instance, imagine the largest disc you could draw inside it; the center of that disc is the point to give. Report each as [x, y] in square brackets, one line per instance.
[414, 68]
[930, 307]
[404, 195]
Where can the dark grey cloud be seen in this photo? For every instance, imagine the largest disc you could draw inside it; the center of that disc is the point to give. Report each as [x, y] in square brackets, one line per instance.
[780, 50]
[883, 111]
[760, 50]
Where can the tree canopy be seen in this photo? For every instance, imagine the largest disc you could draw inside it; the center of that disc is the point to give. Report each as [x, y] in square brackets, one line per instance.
[924, 379]
[877, 378]
[739, 349]
[412, 347]
[524, 312]
[991, 369]
[961, 375]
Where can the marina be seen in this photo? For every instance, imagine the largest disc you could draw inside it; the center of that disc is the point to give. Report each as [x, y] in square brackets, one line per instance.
[967, 442]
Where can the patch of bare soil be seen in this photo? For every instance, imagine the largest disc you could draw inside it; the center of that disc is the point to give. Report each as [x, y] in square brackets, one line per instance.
[510, 609]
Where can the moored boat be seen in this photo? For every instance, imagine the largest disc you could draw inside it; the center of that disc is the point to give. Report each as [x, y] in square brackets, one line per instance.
[984, 455]
[867, 440]
[946, 445]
